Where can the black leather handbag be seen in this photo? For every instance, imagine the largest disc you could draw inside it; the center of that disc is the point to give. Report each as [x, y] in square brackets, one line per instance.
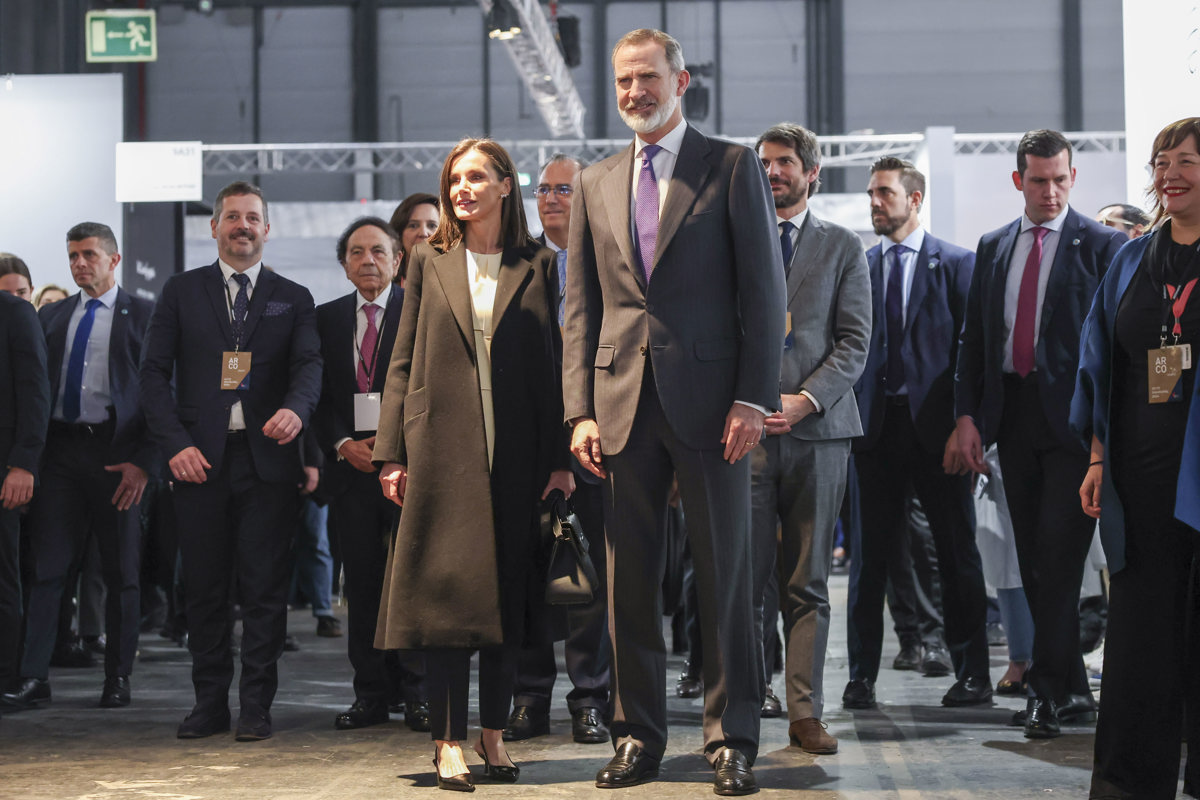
[571, 577]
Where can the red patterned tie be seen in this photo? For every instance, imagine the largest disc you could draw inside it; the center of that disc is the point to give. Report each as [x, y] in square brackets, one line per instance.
[367, 351]
[1023, 326]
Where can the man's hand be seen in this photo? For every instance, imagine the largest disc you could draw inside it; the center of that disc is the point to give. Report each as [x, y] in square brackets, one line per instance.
[17, 489]
[189, 465]
[358, 453]
[312, 476]
[129, 490]
[952, 459]
[795, 408]
[743, 429]
[561, 479]
[394, 479]
[283, 427]
[970, 447]
[585, 444]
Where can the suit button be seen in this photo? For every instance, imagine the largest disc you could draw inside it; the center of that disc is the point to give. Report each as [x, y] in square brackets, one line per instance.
[643, 349]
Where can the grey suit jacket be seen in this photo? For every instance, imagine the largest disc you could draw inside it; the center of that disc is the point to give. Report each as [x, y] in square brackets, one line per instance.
[829, 298]
[710, 319]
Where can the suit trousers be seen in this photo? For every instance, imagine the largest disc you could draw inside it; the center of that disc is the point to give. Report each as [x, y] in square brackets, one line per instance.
[10, 596]
[887, 473]
[361, 519]
[716, 500]
[796, 490]
[73, 504]
[449, 681]
[236, 530]
[914, 586]
[1041, 481]
[587, 649]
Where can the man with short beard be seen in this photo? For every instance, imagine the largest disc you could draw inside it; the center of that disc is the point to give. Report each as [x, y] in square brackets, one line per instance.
[798, 476]
[906, 399]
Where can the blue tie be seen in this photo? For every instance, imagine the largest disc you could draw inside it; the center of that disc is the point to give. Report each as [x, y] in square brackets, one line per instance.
[562, 286]
[74, 386]
[241, 303]
[894, 310]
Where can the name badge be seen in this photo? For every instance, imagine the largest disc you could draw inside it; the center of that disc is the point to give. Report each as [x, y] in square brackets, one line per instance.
[235, 370]
[366, 411]
[1164, 367]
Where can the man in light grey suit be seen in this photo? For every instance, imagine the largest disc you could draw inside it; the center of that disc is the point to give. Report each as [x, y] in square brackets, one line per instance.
[798, 476]
[673, 339]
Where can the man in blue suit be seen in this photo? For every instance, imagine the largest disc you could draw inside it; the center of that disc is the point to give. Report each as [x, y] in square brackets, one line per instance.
[906, 400]
[95, 466]
[241, 344]
[1033, 285]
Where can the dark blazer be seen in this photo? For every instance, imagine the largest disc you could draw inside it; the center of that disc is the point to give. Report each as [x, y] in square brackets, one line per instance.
[937, 301]
[710, 320]
[188, 333]
[334, 420]
[1085, 249]
[24, 386]
[131, 321]
[467, 540]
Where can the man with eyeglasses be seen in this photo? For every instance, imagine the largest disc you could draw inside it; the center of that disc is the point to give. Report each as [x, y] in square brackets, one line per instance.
[587, 645]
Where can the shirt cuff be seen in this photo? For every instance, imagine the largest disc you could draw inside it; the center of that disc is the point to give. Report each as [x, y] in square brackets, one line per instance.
[812, 400]
[761, 409]
[337, 447]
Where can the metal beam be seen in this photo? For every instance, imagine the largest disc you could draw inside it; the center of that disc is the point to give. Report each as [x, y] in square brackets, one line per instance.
[1072, 74]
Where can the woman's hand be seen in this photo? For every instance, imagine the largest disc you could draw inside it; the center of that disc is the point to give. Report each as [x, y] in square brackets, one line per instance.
[394, 479]
[1089, 492]
[560, 479]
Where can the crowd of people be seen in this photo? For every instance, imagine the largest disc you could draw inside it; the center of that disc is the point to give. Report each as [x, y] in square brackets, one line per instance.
[712, 374]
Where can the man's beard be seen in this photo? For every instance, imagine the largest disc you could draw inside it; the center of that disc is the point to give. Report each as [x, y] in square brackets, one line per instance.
[888, 226]
[654, 121]
[791, 196]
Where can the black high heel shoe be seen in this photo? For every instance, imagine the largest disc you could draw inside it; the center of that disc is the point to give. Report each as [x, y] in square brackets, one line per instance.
[455, 783]
[496, 772]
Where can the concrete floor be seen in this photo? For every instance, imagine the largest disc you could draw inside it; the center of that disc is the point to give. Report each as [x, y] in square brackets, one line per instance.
[910, 747]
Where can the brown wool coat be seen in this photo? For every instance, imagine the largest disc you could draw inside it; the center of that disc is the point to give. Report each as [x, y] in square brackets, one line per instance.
[466, 568]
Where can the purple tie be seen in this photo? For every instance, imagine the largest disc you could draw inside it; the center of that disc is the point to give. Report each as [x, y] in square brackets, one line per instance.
[646, 217]
[1023, 325]
[370, 339]
[894, 311]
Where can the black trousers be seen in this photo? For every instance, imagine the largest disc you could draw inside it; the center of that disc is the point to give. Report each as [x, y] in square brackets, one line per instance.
[448, 682]
[72, 504]
[1041, 479]
[587, 649]
[10, 596]
[914, 586]
[236, 528]
[885, 475]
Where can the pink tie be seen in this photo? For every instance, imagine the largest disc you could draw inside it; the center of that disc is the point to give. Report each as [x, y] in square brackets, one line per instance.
[1023, 326]
[370, 339]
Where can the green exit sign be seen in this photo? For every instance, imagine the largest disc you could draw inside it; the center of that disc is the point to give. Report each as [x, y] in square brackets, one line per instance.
[116, 35]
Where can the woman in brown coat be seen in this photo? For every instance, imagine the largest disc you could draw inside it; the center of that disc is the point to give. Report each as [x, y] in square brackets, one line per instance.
[470, 437]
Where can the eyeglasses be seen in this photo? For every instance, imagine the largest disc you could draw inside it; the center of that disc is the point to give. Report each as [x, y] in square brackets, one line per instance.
[561, 189]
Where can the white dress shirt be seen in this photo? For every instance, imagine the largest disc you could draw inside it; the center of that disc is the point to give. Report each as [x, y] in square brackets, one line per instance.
[95, 395]
[237, 420]
[1016, 268]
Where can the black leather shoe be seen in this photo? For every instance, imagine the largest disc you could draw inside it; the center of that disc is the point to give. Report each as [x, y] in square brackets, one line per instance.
[690, 684]
[1079, 708]
[28, 693]
[629, 767]
[116, 692]
[361, 715]
[253, 726]
[290, 644]
[936, 663]
[497, 772]
[201, 723]
[525, 723]
[909, 657]
[1041, 719]
[587, 726]
[732, 774]
[859, 693]
[416, 717]
[329, 626]
[771, 707]
[969, 692]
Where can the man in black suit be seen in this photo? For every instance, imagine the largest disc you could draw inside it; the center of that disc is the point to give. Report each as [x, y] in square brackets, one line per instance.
[586, 650]
[357, 332]
[673, 343]
[95, 466]
[241, 344]
[1033, 285]
[906, 399]
[24, 412]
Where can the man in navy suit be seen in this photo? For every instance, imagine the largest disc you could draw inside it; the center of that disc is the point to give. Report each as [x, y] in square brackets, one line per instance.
[357, 332]
[1033, 285]
[241, 344]
[95, 465]
[906, 400]
[24, 411]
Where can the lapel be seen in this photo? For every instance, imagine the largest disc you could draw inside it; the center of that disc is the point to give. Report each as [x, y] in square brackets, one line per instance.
[691, 171]
[810, 251]
[1004, 251]
[451, 271]
[214, 287]
[923, 277]
[58, 320]
[875, 268]
[264, 287]
[1065, 257]
[344, 365]
[614, 195]
[514, 271]
[116, 342]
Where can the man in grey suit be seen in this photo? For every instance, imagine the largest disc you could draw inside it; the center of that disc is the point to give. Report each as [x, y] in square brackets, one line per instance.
[798, 476]
[673, 339]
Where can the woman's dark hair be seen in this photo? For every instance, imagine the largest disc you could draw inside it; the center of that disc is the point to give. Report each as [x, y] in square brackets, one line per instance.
[13, 265]
[514, 232]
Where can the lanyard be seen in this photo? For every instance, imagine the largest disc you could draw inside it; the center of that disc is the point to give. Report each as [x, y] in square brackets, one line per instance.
[1175, 300]
[236, 328]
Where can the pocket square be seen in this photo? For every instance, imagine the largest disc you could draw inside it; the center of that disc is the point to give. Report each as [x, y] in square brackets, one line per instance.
[277, 308]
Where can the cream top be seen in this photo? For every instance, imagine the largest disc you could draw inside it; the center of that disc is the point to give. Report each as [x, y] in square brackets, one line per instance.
[483, 270]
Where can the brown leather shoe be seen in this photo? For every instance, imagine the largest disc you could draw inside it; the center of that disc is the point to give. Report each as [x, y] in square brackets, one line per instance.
[809, 735]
